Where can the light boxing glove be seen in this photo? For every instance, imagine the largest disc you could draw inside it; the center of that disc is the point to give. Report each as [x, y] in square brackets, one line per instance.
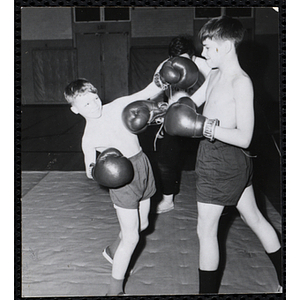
[182, 119]
[112, 169]
[179, 72]
[139, 114]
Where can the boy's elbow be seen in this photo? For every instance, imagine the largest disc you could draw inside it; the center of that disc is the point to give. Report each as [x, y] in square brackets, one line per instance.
[245, 143]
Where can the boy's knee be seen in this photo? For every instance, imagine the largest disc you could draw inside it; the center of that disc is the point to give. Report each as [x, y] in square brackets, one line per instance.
[252, 221]
[206, 230]
[131, 239]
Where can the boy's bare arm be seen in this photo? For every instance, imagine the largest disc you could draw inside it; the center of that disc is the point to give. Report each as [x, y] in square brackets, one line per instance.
[150, 91]
[89, 157]
[199, 97]
[241, 135]
[202, 66]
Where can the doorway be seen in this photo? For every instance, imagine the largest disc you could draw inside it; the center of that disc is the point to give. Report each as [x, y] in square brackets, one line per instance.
[103, 60]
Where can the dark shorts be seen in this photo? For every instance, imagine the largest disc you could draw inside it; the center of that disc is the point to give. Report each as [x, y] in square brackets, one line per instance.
[223, 172]
[169, 159]
[140, 188]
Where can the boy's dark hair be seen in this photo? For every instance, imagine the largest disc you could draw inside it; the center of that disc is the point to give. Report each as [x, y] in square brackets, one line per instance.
[180, 45]
[76, 87]
[224, 28]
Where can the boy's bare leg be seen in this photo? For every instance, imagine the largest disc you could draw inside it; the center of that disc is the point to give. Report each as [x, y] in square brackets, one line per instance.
[207, 230]
[144, 213]
[144, 209]
[262, 228]
[251, 215]
[129, 223]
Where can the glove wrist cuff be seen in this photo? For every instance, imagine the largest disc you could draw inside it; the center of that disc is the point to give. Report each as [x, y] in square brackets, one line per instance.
[158, 81]
[209, 128]
[91, 170]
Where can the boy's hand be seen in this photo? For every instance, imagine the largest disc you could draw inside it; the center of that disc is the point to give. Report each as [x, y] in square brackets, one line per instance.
[139, 114]
[182, 119]
[179, 72]
[112, 169]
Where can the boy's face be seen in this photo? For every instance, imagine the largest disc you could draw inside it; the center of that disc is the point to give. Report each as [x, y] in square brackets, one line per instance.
[88, 105]
[212, 52]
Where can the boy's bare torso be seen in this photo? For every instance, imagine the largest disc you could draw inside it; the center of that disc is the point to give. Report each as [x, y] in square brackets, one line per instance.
[220, 103]
[109, 131]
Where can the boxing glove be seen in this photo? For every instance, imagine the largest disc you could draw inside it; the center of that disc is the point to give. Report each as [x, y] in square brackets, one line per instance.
[181, 119]
[139, 114]
[179, 72]
[112, 169]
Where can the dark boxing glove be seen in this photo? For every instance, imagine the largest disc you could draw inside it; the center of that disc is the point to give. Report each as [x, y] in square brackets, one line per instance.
[139, 114]
[182, 119]
[179, 72]
[112, 169]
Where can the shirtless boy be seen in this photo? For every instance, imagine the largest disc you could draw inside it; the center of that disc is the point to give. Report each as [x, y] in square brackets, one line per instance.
[223, 168]
[105, 130]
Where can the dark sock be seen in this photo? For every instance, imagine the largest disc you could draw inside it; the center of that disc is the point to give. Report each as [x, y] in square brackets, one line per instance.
[208, 282]
[115, 287]
[276, 259]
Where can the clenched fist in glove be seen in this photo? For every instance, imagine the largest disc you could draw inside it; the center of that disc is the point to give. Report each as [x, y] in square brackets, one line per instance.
[112, 169]
[179, 72]
[182, 119]
[139, 114]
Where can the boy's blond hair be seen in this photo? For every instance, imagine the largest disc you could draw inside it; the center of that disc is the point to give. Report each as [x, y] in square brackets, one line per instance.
[78, 87]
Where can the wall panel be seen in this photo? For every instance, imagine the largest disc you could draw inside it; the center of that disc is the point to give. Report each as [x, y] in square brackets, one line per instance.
[157, 22]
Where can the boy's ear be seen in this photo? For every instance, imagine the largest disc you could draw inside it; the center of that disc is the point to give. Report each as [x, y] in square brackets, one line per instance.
[74, 110]
[228, 46]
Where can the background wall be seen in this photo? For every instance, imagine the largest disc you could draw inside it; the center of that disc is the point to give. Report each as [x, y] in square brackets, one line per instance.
[88, 48]
[47, 23]
[46, 34]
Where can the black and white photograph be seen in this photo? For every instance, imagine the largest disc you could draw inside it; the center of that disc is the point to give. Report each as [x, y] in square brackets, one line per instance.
[151, 151]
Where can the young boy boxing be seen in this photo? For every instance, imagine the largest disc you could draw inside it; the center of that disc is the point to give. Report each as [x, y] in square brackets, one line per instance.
[121, 166]
[223, 168]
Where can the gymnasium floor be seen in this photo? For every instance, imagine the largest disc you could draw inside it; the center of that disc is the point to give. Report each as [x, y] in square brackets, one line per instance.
[67, 220]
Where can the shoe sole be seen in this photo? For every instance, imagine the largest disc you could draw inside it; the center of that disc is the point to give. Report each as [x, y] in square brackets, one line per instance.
[165, 210]
[107, 257]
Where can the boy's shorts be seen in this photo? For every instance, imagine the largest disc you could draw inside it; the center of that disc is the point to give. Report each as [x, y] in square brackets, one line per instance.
[140, 188]
[223, 172]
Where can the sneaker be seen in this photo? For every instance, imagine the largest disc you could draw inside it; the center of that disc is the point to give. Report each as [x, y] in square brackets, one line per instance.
[107, 255]
[164, 206]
